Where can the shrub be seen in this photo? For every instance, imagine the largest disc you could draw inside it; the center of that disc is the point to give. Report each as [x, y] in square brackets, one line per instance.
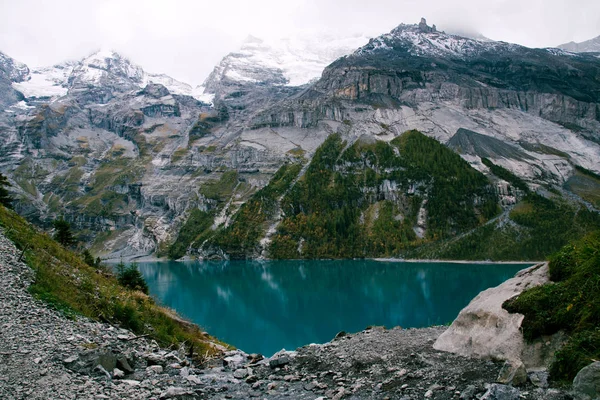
[63, 234]
[131, 277]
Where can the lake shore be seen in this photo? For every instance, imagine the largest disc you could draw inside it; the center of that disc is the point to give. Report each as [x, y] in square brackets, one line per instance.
[85, 359]
[399, 260]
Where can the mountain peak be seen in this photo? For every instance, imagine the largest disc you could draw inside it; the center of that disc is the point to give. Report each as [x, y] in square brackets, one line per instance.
[423, 27]
[15, 71]
[105, 66]
[290, 61]
[591, 46]
[424, 40]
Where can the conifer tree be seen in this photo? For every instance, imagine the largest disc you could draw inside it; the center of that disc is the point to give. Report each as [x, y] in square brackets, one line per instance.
[5, 198]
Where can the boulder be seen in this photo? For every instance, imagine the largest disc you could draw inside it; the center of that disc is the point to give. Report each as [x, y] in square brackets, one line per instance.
[501, 392]
[279, 362]
[586, 384]
[240, 373]
[539, 378]
[486, 330]
[468, 393]
[125, 365]
[234, 359]
[513, 373]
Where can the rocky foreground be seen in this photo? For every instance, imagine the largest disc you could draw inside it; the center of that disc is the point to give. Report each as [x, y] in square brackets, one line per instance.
[44, 355]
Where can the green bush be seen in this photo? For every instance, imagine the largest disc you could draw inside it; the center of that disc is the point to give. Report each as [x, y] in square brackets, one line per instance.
[131, 277]
[571, 305]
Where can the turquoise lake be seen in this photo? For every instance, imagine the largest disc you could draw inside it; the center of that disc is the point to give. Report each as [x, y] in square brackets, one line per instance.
[262, 307]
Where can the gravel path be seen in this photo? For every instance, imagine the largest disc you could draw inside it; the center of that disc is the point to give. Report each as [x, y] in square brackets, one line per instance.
[43, 355]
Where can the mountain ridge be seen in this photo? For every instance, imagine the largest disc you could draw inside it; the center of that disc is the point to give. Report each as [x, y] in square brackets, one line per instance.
[130, 162]
[591, 45]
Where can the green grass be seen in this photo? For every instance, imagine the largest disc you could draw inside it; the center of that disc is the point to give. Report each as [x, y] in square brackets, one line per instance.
[74, 288]
[195, 228]
[571, 303]
[536, 228]
[222, 189]
[585, 184]
[178, 155]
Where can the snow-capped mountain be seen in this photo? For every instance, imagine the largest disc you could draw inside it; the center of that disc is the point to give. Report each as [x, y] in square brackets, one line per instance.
[292, 61]
[423, 40]
[102, 69]
[45, 82]
[591, 46]
[10, 71]
[14, 70]
[137, 162]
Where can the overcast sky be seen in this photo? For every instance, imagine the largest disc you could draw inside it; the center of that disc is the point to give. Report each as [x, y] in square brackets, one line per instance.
[186, 38]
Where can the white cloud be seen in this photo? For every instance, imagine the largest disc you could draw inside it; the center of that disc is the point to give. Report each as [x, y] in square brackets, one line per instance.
[186, 38]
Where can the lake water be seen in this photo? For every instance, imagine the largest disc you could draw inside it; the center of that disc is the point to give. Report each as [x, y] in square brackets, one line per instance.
[262, 307]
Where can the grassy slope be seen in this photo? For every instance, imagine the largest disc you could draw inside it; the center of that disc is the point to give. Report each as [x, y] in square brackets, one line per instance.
[533, 230]
[570, 303]
[65, 282]
[337, 210]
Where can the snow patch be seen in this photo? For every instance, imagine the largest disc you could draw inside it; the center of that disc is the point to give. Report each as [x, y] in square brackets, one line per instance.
[46, 82]
[293, 61]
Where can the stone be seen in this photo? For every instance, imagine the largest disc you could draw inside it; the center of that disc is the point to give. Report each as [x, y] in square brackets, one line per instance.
[429, 394]
[157, 369]
[501, 392]
[193, 379]
[484, 329]
[254, 358]
[234, 361]
[340, 394]
[155, 359]
[240, 373]
[587, 381]
[117, 373]
[251, 379]
[107, 360]
[539, 378]
[468, 393]
[272, 386]
[174, 391]
[71, 359]
[512, 373]
[124, 365]
[340, 335]
[279, 362]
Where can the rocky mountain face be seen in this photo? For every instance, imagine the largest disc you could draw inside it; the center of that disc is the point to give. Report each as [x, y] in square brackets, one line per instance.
[589, 46]
[10, 71]
[293, 61]
[137, 163]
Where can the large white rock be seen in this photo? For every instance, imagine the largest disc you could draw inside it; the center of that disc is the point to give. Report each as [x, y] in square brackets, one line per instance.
[484, 329]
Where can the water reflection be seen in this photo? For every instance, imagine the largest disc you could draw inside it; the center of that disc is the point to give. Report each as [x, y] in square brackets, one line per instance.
[266, 306]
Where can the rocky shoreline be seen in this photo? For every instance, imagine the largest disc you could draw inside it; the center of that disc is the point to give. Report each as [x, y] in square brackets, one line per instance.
[44, 355]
